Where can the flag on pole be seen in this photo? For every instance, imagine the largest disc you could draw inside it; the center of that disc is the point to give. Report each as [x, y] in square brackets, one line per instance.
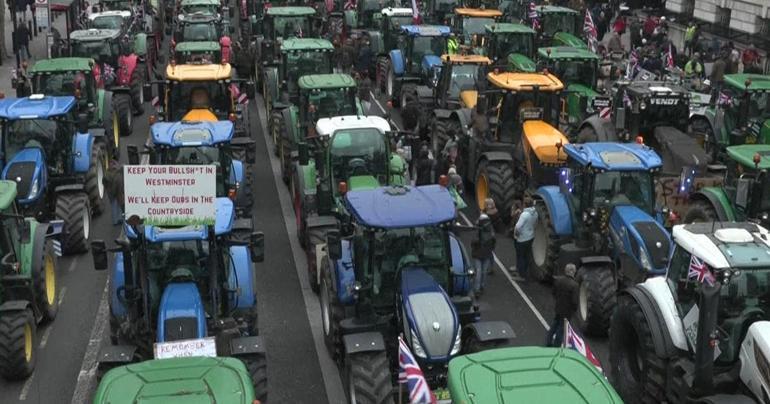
[724, 99]
[670, 57]
[534, 18]
[411, 375]
[576, 342]
[589, 29]
[700, 271]
[415, 12]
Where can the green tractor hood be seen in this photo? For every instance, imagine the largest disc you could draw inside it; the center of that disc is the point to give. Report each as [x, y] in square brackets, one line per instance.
[520, 63]
[582, 89]
[744, 155]
[567, 39]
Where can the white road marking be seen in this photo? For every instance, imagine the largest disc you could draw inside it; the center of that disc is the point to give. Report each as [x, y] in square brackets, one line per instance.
[25, 389]
[87, 374]
[515, 285]
[62, 292]
[46, 334]
[329, 371]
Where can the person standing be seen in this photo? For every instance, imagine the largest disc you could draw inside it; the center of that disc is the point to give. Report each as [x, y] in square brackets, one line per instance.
[689, 38]
[113, 185]
[718, 74]
[21, 43]
[423, 167]
[523, 234]
[482, 250]
[565, 297]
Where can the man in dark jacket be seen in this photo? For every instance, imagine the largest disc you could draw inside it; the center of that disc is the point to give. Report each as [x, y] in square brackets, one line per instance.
[482, 249]
[565, 296]
[424, 167]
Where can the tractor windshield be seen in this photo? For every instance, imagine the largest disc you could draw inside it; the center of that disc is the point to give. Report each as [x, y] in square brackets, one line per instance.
[507, 44]
[107, 22]
[358, 152]
[428, 45]
[463, 77]
[511, 105]
[475, 25]
[558, 22]
[177, 258]
[61, 83]
[195, 155]
[753, 106]
[200, 32]
[576, 71]
[300, 64]
[29, 133]
[397, 21]
[287, 27]
[187, 95]
[624, 188]
[331, 102]
[95, 49]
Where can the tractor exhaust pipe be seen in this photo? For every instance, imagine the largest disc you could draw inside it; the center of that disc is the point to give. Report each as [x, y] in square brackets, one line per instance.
[703, 382]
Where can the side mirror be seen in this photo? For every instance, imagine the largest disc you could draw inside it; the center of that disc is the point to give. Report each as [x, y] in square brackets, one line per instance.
[99, 254]
[620, 118]
[566, 177]
[333, 244]
[133, 154]
[686, 180]
[82, 123]
[25, 231]
[257, 242]
[742, 189]
[304, 154]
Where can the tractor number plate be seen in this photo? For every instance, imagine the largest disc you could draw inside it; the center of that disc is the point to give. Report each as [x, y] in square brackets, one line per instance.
[186, 348]
[601, 102]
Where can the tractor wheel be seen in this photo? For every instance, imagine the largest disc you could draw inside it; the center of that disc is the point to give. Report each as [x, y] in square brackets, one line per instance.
[74, 210]
[587, 134]
[256, 364]
[596, 299]
[285, 154]
[315, 236]
[111, 123]
[383, 64]
[367, 378]
[444, 131]
[300, 212]
[276, 130]
[17, 344]
[390, 85]
[94, 179]
[701, 211]
[122, 105]
[545, 247]
[639, 373]
[473, 344]
[331, 315]
[137, 91]
[704, 137]
[44, 283]
[494, 179]
[245, 196]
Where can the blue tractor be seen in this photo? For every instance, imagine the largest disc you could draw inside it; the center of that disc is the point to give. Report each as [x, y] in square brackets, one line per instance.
[57, 164]
[602, 218]
[204, 143]
[400, 271]
[195, 283]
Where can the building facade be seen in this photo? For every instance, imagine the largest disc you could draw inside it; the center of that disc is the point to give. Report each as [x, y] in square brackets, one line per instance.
[748, 16]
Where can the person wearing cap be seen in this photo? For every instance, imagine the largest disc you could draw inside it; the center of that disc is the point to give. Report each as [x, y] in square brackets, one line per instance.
[523, 234]
[565, 297]
[482, 250]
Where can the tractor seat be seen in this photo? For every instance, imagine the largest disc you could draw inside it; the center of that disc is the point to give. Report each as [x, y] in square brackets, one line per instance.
[180, 262]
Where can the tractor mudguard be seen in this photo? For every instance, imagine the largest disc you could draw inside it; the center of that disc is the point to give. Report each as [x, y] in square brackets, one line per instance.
[425, 94]
[140, 45]
[462, 283]
[343, 275]
[272, 84]
[103, 98]
[307, 180]
[376, 43]
[718, 199]
[117, 281]
[605, 131]
[32, 253]
[236, 172]
[489, 331]
[246, 346]
[632, 229]
[363, 342]
[14, 305]
[82, 143]
[289, 117]
[182, 307]
[69, 188]
[117, 354]
[126, 66]
[558, 208]
[240, 279]
[661, 337]
[463, 115]
[442, 113]
[496, 156]
[397, 61]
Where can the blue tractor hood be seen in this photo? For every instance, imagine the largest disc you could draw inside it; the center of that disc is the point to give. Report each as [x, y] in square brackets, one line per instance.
[397, 207]
[181, 314]
[35, 106]
[642, 238]
[434, 327]
[192, 133]
[429, 62]
[28, 170]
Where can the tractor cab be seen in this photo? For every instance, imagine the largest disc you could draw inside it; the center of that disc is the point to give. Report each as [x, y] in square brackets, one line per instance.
[393, 19]
[299, 57]
[469, 25]
[205, 52]
[510, 46]
[288, 22]
[119, 20]
[422, 47]
[578, 70]
[197, 27]
[368, 14]
[206, 7]
[748, 183]
[103, 45]
[325, 96]
[559, 26]
[197, 92]
[78, 77]
[457, 85]
[745, 118]
[438, 11]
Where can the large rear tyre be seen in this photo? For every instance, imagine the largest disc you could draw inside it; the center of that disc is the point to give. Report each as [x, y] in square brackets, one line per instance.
[44, 283]
[17, 344]
[94, 185]
[256, 364]
[494, 179]
[383, 64]
[137, 94]
[367, 378]
[596, 299]
[638, 373]
[122, 105]
[276, 130]
[111, 123]
[285, 154]
[73, 208]
[545, 247]
[331, 315]
[701, 211]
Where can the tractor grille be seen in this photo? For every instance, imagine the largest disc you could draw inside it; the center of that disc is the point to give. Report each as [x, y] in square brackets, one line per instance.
[178, 328]
[653, 236]
[22, 174]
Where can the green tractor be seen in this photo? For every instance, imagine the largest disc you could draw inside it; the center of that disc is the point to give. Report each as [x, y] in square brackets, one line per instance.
[745, 118]
[559, 26]
[279, 24]
[351, 150]
[511, 46]
[577, 68]
[369, 14]
[198, 379]
[82, 78]
[320, 96]
[28, 293]
[745, 194]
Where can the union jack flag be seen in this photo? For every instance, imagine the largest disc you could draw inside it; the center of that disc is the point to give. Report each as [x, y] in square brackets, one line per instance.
[415, 12]
[670, 57]
[724, 99]
[349, 5]
[633, 61]
[534, 18]
[590, 30]
[700, 271]
[573, 340]
[411, 374]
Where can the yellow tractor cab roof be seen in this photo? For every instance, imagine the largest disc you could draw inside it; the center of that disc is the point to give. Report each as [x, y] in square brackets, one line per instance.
[199, 72]
[470, 59]
[478, 12]
[525, 81]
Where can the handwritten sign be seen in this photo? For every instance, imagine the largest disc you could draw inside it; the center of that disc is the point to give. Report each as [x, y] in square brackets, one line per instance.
[171, 195]
[186, 348]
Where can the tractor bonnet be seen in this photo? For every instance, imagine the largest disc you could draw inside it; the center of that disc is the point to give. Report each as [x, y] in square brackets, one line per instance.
[35, 106]
[398, 207]
[429, 313]
[614, 156]
[744, 155]
[328, 126]
[724, 245]
[192, 133]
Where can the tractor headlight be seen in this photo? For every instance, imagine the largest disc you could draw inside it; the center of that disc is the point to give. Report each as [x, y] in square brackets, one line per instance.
[642, 105]
[34, 189]
[644, 259]
[416, 346]
[457, 345]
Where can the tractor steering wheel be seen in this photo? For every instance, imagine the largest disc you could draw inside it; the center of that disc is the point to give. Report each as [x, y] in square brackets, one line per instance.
[358, 166]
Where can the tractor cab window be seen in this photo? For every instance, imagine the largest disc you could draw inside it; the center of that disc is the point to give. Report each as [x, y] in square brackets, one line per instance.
[358, 152]
[200, 32]
[330, 102]
[757, 105]
[612, 188]
[463, 78]
[305, 63]
[107, 22]
[31, 133]
[190, 95]
[396, 22]
[103, 51]
[287, 27]
[178, 259]
[62, 84]
[576, 71]
[506, 44]
[558, 22]
[201, 155]
[510, 107]
[427, 45]
[475, 25]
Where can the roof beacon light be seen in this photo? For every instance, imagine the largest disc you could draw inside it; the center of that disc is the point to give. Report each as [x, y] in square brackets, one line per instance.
[443, 181]
[232, 117]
